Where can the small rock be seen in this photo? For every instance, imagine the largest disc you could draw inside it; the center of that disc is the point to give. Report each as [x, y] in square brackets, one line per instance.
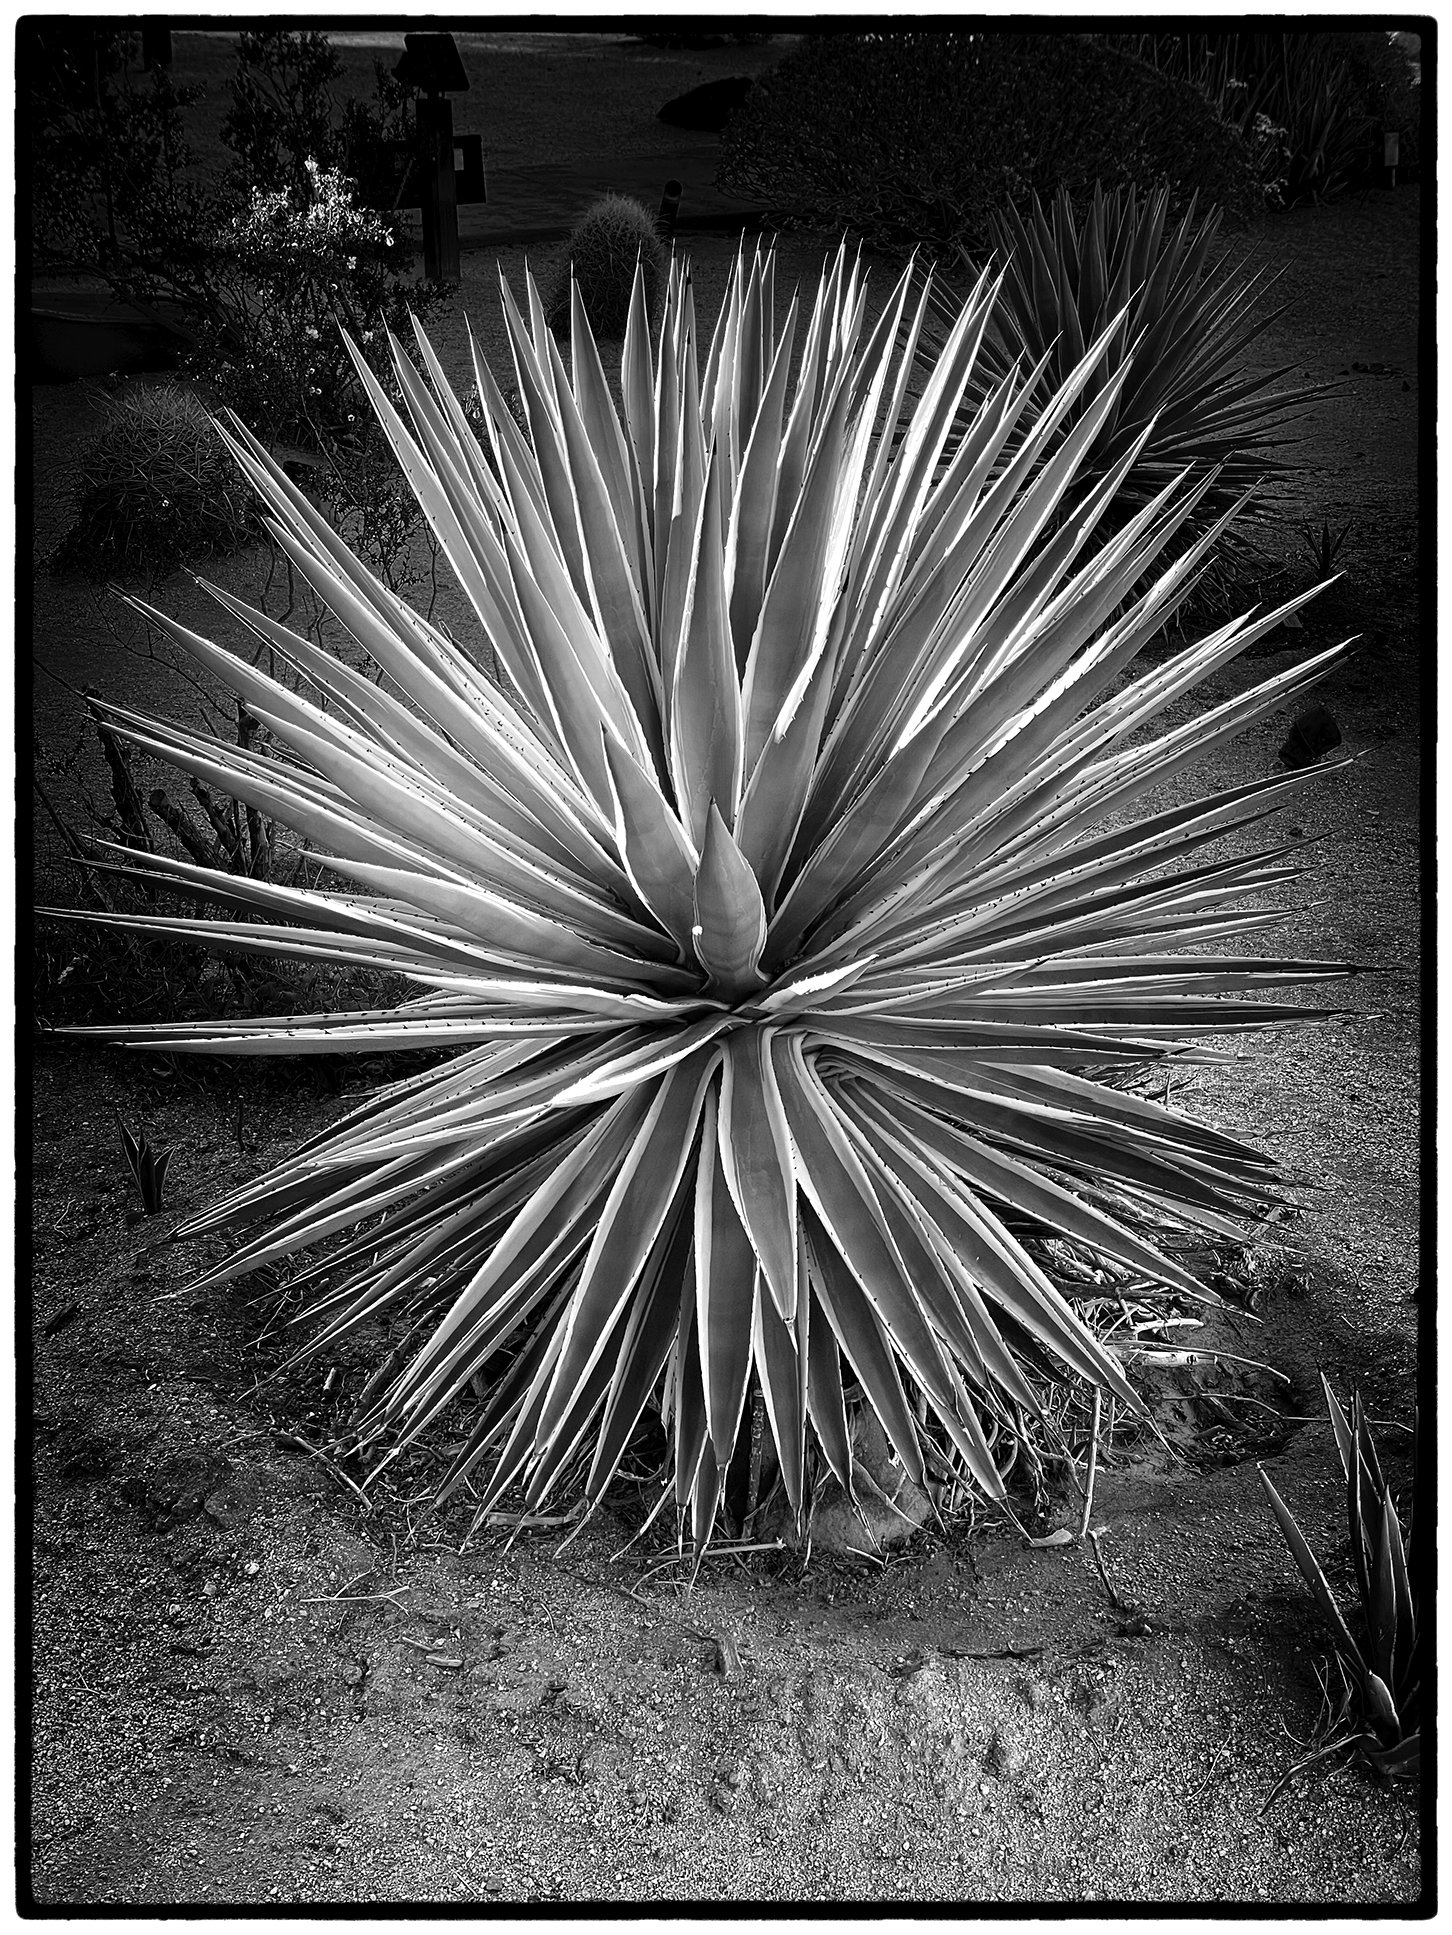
[353, 1674]
[1312, 733]
[230, 1505]
[1036, 1694]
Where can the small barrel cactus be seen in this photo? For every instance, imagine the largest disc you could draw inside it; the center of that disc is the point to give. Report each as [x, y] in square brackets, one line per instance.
[155, 487]
[603, 248]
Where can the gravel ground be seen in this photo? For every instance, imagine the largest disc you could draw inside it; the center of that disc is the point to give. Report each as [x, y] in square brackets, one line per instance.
[252, 1687]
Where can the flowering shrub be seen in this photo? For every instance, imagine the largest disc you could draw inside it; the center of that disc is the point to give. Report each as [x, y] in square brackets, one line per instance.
[296, 262]
[293, 265]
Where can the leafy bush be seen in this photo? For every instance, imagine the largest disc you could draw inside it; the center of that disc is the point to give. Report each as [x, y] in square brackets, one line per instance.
[1310, 106]
[282, 110]
[1381, 1666]
[155, 487]
[614, 234]
[285, 114]
[112, 192]
[922, 137]
[785, 904]
[262, 260]
[291, 266]
[1178, 339]
[289, 269]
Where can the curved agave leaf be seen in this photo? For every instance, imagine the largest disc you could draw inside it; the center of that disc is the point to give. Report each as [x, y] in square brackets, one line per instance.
[782, 901]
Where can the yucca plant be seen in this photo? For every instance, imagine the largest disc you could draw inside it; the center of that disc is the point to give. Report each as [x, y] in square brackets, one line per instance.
[1378, 1713]
[784, 904]
[1176, 336]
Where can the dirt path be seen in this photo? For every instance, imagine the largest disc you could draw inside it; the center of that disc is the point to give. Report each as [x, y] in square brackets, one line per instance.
[250, 1688]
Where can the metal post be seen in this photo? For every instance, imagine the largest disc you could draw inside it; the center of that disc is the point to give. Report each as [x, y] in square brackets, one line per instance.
[670, 202]
[440, 204]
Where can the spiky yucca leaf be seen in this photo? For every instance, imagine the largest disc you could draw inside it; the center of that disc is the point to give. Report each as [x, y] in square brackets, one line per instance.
[1178, 334]
[1382, 1669]
[780, 907]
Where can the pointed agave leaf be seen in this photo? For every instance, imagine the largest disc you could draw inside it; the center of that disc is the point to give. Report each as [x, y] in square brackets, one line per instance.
[606, 543]
[826, 1399]
[687, 1406]
[638, 397]
[632, 1217]
[705, 709]
[641, 1064]
[866, 1347]
[758, 1163]
[726, 1293]
[781, 1371]
[798, 601]
[730, 924]
[754, 503]
[645, 1348]
[776, 797]
[658, 856]
[1311, 1572]
[607, 439]
[543, 1224]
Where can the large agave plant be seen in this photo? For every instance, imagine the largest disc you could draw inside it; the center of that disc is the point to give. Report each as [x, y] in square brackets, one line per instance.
[1176, 336]
[783, 905]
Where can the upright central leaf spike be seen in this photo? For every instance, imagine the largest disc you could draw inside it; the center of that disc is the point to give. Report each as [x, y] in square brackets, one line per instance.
[730, 929]
[786, 910]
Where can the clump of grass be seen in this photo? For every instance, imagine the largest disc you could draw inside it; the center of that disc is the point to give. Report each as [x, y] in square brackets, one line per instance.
[154, 488]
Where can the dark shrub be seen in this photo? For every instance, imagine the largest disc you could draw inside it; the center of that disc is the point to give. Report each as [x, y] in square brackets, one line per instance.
[920, 137]
[1311, 107]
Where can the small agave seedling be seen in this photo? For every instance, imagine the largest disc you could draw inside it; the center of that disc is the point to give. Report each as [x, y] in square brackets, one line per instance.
[1381, 1670]
[1175, 337]
[785, 905]
[147, 1165]
[1325, 546]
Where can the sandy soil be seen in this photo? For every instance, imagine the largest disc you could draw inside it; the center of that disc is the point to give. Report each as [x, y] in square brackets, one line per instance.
[252, 1686]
